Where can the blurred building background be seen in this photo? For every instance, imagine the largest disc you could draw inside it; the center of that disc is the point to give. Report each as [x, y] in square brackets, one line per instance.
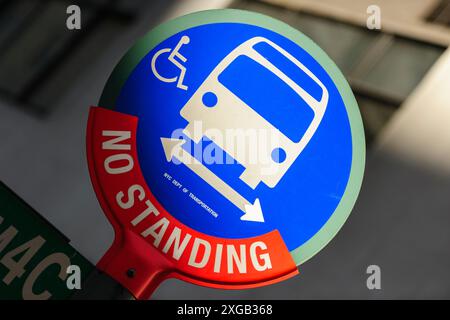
[400, 75]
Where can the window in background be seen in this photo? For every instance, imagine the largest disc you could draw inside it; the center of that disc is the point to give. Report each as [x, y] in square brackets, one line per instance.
[399, 68]
[40, 58]
[344, 43]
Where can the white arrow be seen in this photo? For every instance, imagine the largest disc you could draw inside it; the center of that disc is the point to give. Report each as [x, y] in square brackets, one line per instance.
[173, 149]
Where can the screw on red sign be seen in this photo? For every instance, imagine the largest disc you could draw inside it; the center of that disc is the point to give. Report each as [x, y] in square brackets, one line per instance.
[223, 161]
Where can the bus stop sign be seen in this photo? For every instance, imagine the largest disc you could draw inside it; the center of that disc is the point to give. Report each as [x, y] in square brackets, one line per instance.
[226, 150]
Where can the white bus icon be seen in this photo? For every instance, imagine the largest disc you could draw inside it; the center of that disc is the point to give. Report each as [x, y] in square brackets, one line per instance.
[229, 111]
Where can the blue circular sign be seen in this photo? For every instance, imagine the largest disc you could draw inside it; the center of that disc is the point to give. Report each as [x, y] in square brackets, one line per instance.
[244, 129]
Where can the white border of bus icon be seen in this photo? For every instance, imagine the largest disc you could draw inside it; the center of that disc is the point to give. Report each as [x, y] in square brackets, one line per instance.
[230, 112]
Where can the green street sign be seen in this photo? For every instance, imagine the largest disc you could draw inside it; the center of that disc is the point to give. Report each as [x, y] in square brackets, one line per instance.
[34, 256]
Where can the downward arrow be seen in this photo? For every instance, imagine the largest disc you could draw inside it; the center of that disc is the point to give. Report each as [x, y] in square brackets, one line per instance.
[173, 149]
[253, 212]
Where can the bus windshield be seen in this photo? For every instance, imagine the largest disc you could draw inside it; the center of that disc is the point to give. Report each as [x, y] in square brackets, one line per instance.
[259, 88]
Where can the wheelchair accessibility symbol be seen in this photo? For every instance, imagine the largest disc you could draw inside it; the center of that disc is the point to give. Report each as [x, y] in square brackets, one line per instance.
[173, 54]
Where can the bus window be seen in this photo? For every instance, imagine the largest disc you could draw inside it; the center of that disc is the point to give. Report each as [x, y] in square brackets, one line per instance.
[290, 69]
[257, 87]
